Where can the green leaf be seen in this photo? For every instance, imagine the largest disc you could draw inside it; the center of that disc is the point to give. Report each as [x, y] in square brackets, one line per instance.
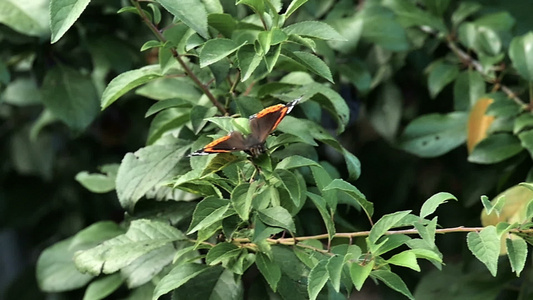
[222, 252]
[385, 114]
[190, 12]
[207, 212]
[258, 6]
[381, 27]
[335, 266]
[277, 217]
[427, 233]
[433, 135]
[312, 63]
[517, 253]
[495, 148]
[295, 4]
[143, 170]
[99, 183]
[56, 271]
[289, 182]
[359, 273]
[148, 265]
[296, 161]
[63, 14]
[270, 271]
[354, 193]
[526, 140]
[431, 204]
[103, 287]
[70, 96]
[27, 17]
[521, 54]
[320, 204]
[386, 222]
[314, 29]
[358, 74]
[241, 199]
[523, 122]
[248, 61]
[126, 81]
[405, 259]
[441, 74]
[485, 245]
[467, 89]
[224, 23]
[318, 277]
[464, 10]
[411, 15]
[349, 28]
[22, 91]
[393, 281]
[217, 49]
[177, 277]
[390, 242]
[112, 255]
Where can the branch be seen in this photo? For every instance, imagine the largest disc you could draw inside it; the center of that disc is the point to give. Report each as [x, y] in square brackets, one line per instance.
[295, 240]
[176, 55]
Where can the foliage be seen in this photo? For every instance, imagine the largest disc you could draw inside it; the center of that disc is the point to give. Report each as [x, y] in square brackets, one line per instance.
[295, 222]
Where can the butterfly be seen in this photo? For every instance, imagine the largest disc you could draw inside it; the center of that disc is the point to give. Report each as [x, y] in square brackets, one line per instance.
[261, 125]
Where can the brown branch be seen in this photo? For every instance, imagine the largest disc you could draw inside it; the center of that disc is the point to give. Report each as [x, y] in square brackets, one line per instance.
[178, 57]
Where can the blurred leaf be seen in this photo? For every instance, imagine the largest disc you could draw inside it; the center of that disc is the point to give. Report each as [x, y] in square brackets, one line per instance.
[385, 114]
[523, 122]
[147, 266]
[499, 21]
[526, 140]
[411, 15]
[469, 86]
[521, 54]
[224, 23]
[495, 148]
[143, 170]
[431, 204]
[56, 270]
[63, 14]
[464, 10]
[478, 123]
[190, 12]
[70, 96]
[21, 91]
[393, 281]
[98, 183]
[517, 253]
[441, 74]
[177, 277]
[381, 27]
[358, 74]
[351, 29]
[103, 287]
[127, 81]
[112, 255]
[27, 17]
[433, 135]
[318, 277]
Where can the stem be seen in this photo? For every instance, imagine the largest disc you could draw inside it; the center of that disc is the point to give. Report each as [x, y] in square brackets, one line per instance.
[349, 235]
[178, 57]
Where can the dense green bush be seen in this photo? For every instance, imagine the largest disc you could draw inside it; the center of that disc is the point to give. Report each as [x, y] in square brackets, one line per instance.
[346, 195]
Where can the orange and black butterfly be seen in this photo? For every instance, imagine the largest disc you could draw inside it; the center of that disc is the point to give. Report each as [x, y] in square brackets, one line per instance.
[261, 125]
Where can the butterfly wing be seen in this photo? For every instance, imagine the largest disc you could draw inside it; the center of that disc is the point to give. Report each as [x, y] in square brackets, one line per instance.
[234, 141]
[266, 121]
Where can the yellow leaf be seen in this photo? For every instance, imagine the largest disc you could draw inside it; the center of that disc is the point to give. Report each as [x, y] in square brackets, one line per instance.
[478, 123]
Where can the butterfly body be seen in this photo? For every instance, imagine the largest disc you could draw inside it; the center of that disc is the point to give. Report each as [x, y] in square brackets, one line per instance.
[261, 125]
